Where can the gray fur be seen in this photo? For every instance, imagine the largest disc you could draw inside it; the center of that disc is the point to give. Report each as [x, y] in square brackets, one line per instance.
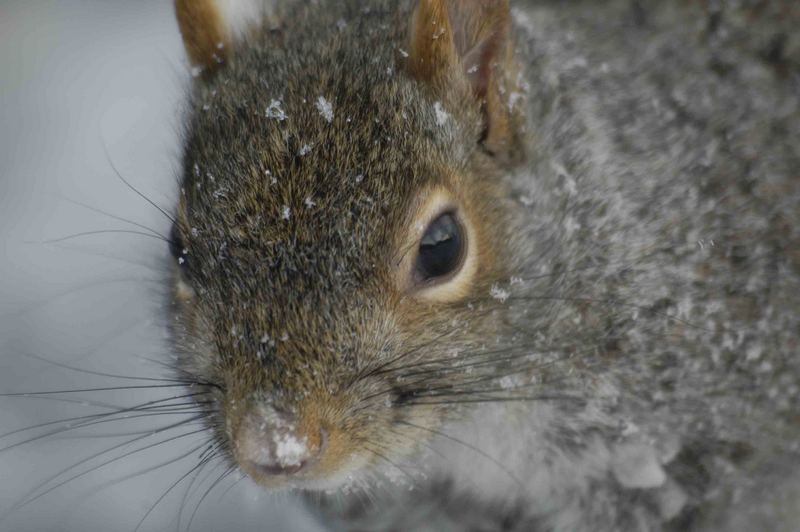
[649, 242]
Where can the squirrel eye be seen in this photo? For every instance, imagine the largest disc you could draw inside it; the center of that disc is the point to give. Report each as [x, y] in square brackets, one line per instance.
[441, 250]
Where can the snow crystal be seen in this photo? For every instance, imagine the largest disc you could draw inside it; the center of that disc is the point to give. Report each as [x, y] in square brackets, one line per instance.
[753, 352]
[286, 213]
[629, 428]
[274, 110]
[523, 19]
[499, 293]
[289, 450]
[507, 383]
[636, 466]
[304, 149]
[526, 200]
[325, 109]
[571, 225]
[441, 114]
[403, 52]
[671, 501]
[265, 339]
[309, 202]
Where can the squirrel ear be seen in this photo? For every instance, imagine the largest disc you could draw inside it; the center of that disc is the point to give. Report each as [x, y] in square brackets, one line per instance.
[456, 41]
[432, 55]
[210, 27]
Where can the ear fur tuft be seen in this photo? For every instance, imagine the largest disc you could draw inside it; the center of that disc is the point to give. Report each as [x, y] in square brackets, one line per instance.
[432, 52]
[211, 27]
[205, 35]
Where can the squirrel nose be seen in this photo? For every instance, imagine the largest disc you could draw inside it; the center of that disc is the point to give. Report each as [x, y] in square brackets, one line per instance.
[270, 443]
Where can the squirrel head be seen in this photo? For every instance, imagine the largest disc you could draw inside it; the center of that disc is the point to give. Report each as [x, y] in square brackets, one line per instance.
[341, 207]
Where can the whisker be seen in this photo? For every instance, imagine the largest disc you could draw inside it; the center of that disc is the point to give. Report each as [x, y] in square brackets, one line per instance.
[98, 232]
[147, 470]
[235, 483]
[27, 500]
[192, 483]
[71, 291]
[164, 495]
[385, 459]
[612, 302]
[90, 420]
[134, 189]
[550, 397]
[115, 217]
[177, 412]
[219, 479]
[468, 446]
[101, 374]
[395, 359]
[88, 390]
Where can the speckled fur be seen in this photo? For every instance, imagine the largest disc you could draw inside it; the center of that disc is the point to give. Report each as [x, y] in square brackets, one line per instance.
[648, 241]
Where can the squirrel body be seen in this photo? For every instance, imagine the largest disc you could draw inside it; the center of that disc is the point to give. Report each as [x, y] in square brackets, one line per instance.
[619, 348]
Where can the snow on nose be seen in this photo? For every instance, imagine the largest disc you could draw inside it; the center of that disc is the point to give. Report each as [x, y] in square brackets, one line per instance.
[270, 442]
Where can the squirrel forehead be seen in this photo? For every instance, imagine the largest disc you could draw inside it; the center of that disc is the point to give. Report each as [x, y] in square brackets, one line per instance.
[300, 116]
[303, 178]
[281, 163]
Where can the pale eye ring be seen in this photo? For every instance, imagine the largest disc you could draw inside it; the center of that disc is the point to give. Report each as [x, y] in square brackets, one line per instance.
[441, 250]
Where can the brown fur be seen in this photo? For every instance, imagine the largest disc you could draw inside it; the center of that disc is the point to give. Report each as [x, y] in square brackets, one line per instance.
[203, 32]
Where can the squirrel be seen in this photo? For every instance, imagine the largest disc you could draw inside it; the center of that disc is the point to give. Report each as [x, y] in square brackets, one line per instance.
[480, 265]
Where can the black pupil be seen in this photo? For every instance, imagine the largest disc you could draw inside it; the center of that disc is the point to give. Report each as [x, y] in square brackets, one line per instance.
[440, 248]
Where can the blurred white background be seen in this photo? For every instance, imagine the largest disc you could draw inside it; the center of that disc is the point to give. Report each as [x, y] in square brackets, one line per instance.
[77, 77]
